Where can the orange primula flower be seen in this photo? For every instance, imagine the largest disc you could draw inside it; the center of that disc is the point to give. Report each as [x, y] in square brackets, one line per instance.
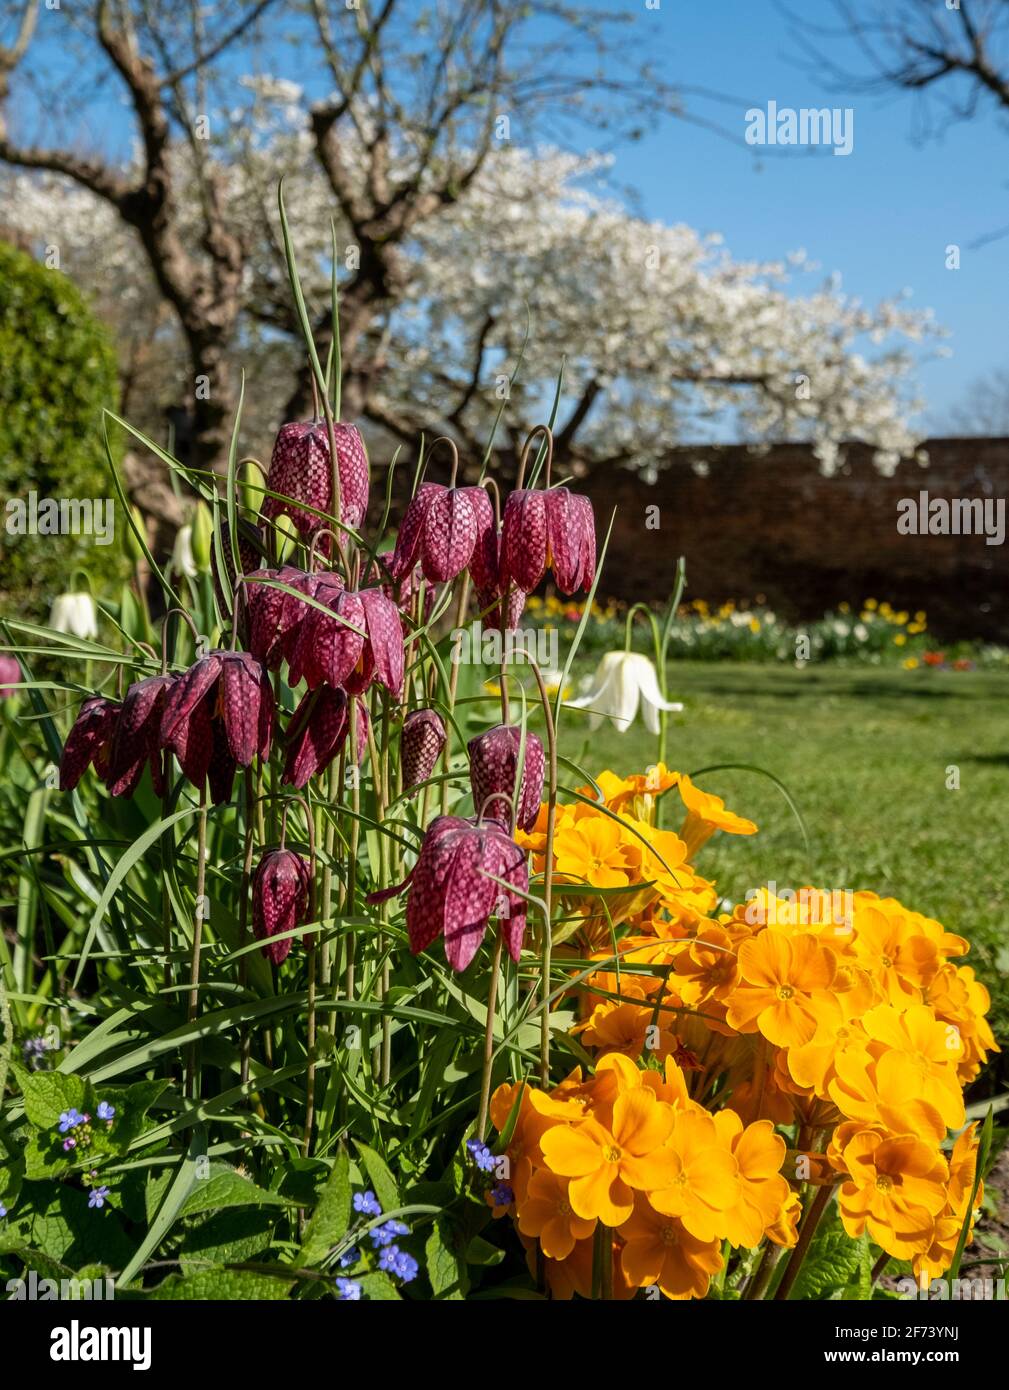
[897, 1187]
[592, 852]
[783, 989]
[763, 1192]
[707, 813]
[608, 1164]
[546, 1214]
[660, 1250]
[704, 1183]
[707, 967]
[884, 1091]
[915, 1043]
[901, 959]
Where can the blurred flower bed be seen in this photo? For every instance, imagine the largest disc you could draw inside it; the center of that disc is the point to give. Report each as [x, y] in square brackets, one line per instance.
[875, 633]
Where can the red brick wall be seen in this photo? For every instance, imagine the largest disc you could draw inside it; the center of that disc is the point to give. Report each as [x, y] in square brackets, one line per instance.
[771, 524]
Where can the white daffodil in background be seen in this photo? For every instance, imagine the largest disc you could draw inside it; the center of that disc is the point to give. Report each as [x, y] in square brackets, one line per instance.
[74, 614]
[622, 681]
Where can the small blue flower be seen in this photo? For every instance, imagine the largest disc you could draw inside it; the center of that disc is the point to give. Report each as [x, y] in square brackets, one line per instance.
[396, 1261]
[481, 1155]
[105, 1110]
[502, 1195]
[350, 1257]
[405, 1267]
[97, 1196]
[367, 1203]
[70, 1119]
[387, 1233]
[3, 1210]
[349, 1291]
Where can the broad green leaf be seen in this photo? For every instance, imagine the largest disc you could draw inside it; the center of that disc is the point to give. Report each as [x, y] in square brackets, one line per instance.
[331, 1217]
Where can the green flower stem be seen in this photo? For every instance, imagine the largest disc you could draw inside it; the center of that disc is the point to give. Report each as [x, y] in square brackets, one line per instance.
[453, 685]
[192, 1070]
[488, 1039]
[548, 875]
[806, 1233]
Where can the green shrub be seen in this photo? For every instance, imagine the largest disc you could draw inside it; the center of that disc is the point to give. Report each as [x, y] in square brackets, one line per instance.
[59, 371]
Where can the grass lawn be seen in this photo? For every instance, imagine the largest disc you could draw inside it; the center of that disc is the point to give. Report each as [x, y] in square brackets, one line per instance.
[866, 755]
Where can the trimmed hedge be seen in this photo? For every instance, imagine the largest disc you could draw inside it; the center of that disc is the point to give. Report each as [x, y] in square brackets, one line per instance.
[57, 373]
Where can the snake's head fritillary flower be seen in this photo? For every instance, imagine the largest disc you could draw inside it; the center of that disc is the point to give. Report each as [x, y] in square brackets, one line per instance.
[453, 890]
[318, 730]
[444, 527]
[421, 743]
[362, 642]
[553, 530]
[137, 738]
[10, 676]
[89, 741]
[300, 470]
[493, 767]
[274, 614]
[622, 682]
[279, 900]
[218, 715]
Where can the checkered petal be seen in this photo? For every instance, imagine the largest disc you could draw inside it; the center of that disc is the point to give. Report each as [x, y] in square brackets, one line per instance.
[411, 530]
[222, 766]
[524, 539]
[137, 731]
[493, 766]
[241, 696]
[385, 639]
[420, 745]
[192, 742]
[279, 900]
[425, 907]
[337, 646]
[469, 899]
[93, 730]
[188, 694]
[273, 613]
[565, 525]
[484, 563]
[450, 534]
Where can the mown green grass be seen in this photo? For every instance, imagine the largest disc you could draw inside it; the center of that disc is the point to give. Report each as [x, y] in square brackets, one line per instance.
[866, 755]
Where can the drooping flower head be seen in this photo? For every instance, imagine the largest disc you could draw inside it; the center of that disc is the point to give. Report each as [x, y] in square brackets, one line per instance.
[444, 529]
[493, 767]
[280, 887]
[218, 715]
[420, 744]
[453, 892]
[548, 530]
[89, 741]
[300, 470]
[318, 730]
[137, 737]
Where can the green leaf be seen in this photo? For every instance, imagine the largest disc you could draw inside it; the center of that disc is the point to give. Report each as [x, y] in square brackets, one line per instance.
[47, 1094]
[378, 1287]
[226, 1237]
[832, 1260]
[381, 1179]
[226, 1188]
[447, 1272]
[171, 1207]
[231, 1285]
[331, 1217]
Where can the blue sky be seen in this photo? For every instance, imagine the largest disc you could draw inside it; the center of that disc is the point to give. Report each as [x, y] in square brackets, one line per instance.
[881, 216]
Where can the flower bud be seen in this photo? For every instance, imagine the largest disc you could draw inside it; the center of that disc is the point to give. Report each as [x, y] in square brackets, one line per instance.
[493, 765]
[202, 537]
[279, 900]
[420, 745]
